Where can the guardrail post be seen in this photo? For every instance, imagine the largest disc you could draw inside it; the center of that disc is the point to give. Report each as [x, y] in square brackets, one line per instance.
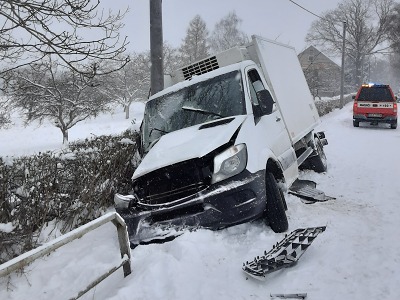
[123, 240]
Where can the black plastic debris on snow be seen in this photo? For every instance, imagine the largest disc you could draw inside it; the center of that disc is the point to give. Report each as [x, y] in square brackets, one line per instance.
[159, 234]
[284, 254]
[306, 189]
[289, 296]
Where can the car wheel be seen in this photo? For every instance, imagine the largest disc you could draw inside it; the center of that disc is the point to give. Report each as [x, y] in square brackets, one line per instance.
[275, 209]
[393, 126]
[356, 124]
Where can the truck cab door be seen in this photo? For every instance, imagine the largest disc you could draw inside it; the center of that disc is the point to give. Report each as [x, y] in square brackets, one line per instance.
[269, 126]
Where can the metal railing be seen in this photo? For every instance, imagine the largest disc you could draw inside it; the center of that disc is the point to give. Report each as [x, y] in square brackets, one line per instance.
[123, 239]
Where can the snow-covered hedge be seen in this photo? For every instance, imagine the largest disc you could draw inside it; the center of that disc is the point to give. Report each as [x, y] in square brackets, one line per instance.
[325, 106]
[72, 186]
[4, 120]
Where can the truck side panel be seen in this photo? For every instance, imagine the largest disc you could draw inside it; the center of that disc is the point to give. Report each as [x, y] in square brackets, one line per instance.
[284, 75]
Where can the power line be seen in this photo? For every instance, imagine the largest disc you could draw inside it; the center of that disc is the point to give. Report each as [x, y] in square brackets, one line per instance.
[306, 10]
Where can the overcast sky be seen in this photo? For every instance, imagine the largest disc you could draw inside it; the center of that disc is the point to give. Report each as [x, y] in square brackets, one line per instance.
[279, 20]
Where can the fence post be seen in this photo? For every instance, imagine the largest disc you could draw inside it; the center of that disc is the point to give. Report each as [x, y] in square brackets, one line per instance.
[123, 240]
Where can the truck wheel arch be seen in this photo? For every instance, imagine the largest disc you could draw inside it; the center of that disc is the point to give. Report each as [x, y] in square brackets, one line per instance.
[275, 169]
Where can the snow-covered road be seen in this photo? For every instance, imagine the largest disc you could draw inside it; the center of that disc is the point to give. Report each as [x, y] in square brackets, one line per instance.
[357, 257]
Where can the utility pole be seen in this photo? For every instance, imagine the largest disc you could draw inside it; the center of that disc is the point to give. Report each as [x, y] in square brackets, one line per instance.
[342, 71]
[156, 47]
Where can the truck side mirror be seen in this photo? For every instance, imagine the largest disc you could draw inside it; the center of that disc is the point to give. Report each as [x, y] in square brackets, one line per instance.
[266, 101]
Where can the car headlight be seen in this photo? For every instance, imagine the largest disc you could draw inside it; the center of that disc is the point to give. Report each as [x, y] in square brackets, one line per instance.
[229, 163]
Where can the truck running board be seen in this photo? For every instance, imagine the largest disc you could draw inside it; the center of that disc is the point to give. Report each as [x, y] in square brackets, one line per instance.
[304, 155]
[306, 189]
[284, 254]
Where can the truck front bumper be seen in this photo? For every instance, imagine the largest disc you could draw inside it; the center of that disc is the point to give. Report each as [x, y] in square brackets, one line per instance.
[233, 201]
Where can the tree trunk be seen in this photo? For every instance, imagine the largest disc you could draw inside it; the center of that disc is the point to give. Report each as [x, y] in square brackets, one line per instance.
[359, 70]
[126, 109]
[65, 136]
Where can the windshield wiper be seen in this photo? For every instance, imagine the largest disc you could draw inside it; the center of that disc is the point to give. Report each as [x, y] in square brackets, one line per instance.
[202, 111]
[157, 129]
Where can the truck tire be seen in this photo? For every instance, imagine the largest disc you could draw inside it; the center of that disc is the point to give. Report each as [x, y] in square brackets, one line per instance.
[318, 162]
[283, 199]
[393, 126]
[275, 209]
[356, 124]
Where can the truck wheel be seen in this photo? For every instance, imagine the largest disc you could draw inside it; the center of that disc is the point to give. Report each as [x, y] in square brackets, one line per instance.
[318, 162]
[393, 126]
[356, 124]
[275, 210]
[283, 199]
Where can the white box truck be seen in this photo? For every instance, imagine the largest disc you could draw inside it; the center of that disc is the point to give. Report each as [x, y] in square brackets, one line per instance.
[223, 142]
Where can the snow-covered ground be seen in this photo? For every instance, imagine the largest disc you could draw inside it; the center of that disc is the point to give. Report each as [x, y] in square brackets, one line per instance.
[357, 257]
[19, 140]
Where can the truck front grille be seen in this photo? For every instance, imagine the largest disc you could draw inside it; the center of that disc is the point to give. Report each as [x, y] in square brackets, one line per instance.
[174, 182]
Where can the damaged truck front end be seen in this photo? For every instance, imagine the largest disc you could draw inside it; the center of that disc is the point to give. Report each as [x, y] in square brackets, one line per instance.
[182, 196]
[193, 173]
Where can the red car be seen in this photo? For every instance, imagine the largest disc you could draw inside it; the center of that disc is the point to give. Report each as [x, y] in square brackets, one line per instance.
[375, 103]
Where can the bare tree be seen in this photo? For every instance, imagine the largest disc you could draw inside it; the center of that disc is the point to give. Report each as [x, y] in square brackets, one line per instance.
[129, 84]
[5, 106]
[394, 28]
[75, 31]
[171, 59]
[132, 82]
[227, 34]
[367, 23]
[394, 38]
[50, 91]
[194, 46]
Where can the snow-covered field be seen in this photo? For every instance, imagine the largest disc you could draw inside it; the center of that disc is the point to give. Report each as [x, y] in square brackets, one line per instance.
[357, 257]
[19, 140]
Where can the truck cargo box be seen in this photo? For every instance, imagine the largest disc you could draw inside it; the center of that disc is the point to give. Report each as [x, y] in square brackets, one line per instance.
[286, 79]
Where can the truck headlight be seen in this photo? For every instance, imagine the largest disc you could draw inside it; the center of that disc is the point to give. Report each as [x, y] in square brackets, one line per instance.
[123, 201]
[229, 163]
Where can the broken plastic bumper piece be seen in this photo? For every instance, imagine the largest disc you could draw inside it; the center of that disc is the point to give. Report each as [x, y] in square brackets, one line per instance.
[289, 296]
[306, 189]
[284, 254]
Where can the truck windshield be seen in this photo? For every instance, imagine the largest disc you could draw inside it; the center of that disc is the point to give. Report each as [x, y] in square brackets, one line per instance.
[215, 98]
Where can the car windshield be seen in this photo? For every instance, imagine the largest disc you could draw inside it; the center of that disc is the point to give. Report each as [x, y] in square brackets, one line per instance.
[375, 94]
[215, 98]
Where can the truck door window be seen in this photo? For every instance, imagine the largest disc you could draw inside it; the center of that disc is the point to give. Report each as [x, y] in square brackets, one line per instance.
[260, 97]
